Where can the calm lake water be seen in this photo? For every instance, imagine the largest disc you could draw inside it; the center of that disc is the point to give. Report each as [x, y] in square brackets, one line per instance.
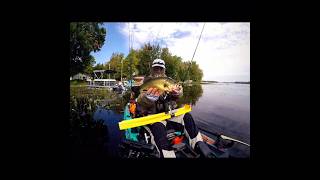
[218, 107]
[225, 108]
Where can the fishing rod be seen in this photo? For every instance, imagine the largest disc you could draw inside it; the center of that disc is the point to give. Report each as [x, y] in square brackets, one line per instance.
[194, 52]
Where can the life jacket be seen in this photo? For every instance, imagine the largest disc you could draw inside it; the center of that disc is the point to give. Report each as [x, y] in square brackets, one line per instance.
[133, 107]
[177, 140]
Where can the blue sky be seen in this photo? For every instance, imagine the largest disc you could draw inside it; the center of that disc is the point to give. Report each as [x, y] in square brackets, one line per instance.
[223, 52]
[115, 42]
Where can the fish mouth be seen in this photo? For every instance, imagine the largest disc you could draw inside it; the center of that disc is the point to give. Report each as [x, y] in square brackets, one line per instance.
[175, 92]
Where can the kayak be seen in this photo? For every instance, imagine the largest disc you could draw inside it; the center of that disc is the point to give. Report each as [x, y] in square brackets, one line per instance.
[138, 140]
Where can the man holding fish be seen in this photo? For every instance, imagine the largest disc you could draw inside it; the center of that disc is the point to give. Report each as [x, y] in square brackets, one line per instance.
[157, 87]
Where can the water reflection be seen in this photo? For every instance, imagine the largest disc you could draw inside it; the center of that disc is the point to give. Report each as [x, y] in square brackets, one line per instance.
[110, 118]
[191, 94]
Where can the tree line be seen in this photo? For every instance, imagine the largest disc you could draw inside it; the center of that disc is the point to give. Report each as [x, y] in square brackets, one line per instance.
[88, 37]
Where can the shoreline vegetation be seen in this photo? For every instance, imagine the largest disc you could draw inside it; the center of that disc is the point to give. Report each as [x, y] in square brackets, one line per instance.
[78, 83]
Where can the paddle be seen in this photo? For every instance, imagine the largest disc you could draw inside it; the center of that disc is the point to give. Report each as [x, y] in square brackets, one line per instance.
[231, 139]
[225, 137]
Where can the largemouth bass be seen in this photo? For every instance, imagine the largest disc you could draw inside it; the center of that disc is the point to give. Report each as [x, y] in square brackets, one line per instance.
[163, 84]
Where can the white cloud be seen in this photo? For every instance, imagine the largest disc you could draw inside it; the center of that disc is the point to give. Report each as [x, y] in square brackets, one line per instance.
[223, 53]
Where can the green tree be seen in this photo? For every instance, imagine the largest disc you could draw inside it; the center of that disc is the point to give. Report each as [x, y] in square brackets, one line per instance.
[190, 71]
[131, 61]
[172, 63]
[85, 37]
[196, 73]
[182, 72]
[139, 61]
[146, 55]
[99, 67]
[89, 70]
[115, 63]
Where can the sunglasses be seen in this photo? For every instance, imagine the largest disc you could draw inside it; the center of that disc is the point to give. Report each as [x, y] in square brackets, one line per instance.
[157, 68]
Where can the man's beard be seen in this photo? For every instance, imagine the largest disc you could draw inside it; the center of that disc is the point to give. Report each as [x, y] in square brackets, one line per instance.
[157, 75]
[160, 74]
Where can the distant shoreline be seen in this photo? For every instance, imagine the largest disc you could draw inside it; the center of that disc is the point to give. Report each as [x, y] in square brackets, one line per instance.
[235, 82]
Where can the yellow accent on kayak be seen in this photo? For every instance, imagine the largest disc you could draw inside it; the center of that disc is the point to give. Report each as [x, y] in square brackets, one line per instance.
[126, 124]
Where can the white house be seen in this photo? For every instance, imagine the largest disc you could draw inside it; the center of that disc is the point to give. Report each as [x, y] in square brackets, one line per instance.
[80, 76]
